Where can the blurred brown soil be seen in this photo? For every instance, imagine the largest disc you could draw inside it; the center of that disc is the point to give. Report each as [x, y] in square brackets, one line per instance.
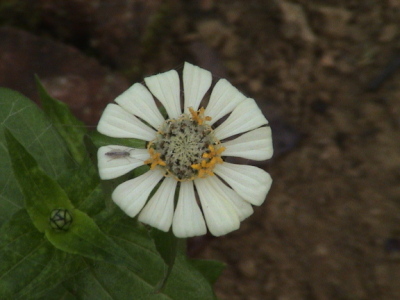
[330, 227]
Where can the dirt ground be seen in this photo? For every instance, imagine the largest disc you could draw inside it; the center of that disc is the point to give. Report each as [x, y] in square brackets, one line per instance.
[326, 75]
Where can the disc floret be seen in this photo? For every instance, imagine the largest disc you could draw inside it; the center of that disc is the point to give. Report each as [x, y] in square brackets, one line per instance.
[186, 147]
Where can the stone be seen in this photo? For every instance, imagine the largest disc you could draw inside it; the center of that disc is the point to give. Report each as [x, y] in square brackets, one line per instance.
[295, 23]
[388, 33]
[248, 268]
[334, 21]
[67, 74]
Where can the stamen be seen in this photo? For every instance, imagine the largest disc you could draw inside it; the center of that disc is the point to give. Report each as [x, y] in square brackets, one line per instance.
[154, 159]
[198, 116]
[211, 158]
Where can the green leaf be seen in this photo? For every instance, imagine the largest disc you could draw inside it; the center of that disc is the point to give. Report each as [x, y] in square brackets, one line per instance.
[58, 293]
[167, 246]
[30, 266]
[211, 269]
[106, 281]
[71, 129]
[42, 194]
[59, 268]
[32, 128]
[83, 185]
[186, 282]
[102, 140]
[93, 203]
[85, 238]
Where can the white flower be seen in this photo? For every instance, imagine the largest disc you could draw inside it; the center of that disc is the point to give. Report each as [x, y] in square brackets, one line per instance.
[187, 153]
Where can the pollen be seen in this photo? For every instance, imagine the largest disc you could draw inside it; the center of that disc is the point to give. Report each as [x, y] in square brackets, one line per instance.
[210, 159]
[186, 147]
[198, 116]
[154, 159]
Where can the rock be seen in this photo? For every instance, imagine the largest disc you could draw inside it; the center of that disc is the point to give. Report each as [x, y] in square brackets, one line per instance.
[295, 23]
[388, 33]
[248, 268]
[69, 76]
[334, 21]
[234, 15]
[218, 35]
[321, 250]
[117, 30]
[207, 58]
[213, 32]
[206, 5]
[393, 3]
[327, 60]
[256, 85]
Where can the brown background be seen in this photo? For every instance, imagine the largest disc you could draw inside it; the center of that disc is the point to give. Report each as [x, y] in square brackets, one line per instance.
[330, 228]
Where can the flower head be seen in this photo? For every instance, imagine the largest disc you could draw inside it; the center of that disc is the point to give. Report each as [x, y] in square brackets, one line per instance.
[187, 153]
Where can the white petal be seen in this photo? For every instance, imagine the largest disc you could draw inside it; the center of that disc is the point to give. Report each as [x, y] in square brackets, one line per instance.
[115, 161]
[246, 116]
[224, 98]
[117, 122]
[138, 101]
[219, 212]
[196, 82]
[242, 207]
[188, 220]
[131, 195]
[159, 211]
[255, 144]
[251, 183]
[165, 87]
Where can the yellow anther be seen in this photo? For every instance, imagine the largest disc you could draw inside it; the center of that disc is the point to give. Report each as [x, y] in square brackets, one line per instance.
[206, 155]
[220, 150]
[219, 160]
[212, 162]
[193, 113]
[205, 172]
[212, 153]
[198, 116]
[154, 159]
[210, 159]
[196, 166]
